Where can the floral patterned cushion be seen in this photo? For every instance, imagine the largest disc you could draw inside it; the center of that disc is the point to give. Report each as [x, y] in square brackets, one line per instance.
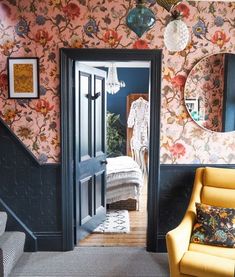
[214, 226]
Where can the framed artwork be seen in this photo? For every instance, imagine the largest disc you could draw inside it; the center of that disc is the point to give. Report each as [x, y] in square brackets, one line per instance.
[192, 105]
[193, 108]
[23, 78]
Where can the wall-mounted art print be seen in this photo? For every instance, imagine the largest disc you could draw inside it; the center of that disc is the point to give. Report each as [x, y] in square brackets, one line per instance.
[23, 78]
[192, 106]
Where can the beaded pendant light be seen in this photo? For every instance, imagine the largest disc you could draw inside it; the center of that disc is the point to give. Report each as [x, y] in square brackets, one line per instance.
[113, 85]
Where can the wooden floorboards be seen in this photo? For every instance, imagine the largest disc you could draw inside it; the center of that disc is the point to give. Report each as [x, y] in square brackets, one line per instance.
[137, 235]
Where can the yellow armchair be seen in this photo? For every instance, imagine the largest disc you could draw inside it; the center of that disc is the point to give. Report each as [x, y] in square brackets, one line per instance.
[212, 186]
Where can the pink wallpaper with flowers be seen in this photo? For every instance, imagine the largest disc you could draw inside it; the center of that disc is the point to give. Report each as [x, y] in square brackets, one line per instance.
[205, 84]
[39, 28]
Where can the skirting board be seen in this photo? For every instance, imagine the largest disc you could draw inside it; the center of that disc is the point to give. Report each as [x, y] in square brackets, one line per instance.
[49, 241]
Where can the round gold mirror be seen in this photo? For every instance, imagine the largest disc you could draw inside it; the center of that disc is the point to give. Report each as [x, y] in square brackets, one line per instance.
[209, 92]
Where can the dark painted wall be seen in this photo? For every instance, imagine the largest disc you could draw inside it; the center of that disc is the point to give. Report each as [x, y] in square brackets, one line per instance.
[137, 81]
[30, 193]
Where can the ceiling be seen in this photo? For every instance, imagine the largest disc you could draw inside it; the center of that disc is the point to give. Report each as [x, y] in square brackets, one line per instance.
[130, 64]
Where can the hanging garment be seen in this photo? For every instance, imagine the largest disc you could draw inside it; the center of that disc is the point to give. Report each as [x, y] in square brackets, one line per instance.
[138, 119]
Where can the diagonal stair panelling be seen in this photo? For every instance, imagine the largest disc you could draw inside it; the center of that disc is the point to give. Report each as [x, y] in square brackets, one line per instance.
[32, 191]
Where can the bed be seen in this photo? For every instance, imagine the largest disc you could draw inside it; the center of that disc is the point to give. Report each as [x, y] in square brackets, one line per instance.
[124, 183]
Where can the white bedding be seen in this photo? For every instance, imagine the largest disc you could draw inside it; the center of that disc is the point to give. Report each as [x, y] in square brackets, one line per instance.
[124, 179]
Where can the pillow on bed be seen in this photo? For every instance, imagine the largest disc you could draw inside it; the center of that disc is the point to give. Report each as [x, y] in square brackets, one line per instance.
[214, 226]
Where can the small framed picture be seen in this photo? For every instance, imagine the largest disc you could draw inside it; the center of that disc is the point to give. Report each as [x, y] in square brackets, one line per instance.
[193, 108]
[23, 77]
[192, 105]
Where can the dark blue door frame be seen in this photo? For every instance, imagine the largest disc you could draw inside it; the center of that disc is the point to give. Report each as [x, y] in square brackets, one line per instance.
[67, 59]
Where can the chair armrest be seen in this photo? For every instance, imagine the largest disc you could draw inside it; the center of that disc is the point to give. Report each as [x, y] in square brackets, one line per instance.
[178, 240]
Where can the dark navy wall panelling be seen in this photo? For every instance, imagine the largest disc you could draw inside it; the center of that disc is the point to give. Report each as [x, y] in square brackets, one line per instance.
[31, 195]
[30, 192]
[137, 81]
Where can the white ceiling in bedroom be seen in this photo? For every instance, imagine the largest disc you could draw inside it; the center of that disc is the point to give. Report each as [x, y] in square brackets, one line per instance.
[130, 64]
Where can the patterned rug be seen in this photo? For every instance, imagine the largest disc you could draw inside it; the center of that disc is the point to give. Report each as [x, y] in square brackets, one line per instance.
[117, 221]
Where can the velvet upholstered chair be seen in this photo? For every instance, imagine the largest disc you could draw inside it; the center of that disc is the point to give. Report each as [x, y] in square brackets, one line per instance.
[215, 187]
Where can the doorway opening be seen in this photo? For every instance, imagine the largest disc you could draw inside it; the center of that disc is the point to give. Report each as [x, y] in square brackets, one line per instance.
[74, 216]
[127, 129]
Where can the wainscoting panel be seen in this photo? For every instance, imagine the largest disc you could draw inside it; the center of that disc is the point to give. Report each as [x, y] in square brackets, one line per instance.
[30, 193]
[176, 182]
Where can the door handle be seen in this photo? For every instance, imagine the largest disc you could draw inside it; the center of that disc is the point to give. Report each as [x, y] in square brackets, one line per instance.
[103, 162]
[94, 97]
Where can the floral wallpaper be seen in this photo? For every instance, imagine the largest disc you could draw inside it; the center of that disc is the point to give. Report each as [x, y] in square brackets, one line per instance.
[39, 28]
[205, 84]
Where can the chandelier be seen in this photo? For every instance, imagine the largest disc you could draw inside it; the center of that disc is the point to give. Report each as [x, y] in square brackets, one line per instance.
[140, 19]
[113, 85]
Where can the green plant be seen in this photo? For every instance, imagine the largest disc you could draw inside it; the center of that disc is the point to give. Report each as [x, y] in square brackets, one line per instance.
[116, 136]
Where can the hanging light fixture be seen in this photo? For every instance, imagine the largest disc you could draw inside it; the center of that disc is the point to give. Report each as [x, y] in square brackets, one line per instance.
[140, 19]
[176, 35]
[168, 4]
[113, 85]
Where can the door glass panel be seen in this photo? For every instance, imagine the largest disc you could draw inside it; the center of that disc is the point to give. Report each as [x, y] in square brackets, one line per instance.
[85, 116]
[99, 114]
